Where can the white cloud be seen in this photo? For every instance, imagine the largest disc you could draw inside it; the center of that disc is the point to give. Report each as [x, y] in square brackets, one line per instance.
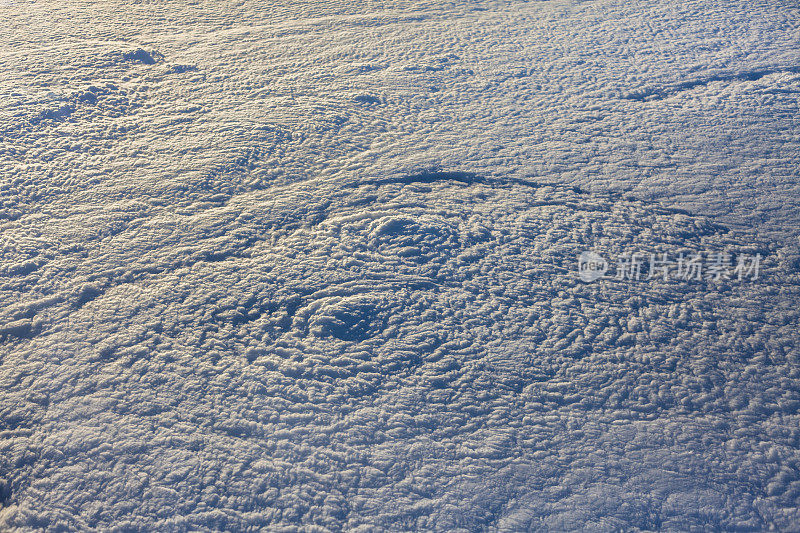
[315, 267]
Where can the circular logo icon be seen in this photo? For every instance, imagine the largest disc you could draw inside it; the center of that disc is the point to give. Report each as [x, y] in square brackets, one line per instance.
[591, 266]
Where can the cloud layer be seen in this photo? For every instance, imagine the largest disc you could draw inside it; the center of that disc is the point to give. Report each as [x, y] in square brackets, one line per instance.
[314, 266]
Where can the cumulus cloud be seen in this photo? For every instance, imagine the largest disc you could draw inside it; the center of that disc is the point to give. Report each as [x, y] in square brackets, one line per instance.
[316, 267]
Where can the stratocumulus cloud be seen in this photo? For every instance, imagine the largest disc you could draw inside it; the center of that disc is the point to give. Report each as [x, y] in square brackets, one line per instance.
[316, 266]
